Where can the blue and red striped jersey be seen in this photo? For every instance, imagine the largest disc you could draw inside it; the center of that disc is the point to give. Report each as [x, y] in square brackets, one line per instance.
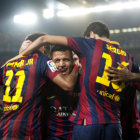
[100, 99]
[22, 80]
[58, 106]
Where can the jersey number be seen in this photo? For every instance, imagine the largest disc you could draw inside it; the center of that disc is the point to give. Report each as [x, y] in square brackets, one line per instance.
[104, 79]
[17, 97]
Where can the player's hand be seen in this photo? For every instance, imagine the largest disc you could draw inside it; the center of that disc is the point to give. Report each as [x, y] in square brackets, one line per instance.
[76, 60]
[119, 75]
[25, 45]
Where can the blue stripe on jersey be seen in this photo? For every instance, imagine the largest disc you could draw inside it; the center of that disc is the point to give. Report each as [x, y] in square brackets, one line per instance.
[52, 124]
[1, 128]
[77, 114]
[92, 107]
[67, 129]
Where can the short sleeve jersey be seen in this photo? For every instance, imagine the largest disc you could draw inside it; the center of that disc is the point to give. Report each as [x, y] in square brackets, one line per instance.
[22, 80]
[99, 99]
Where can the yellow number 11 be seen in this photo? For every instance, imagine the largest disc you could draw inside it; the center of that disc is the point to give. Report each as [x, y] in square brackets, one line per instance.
[17, 97]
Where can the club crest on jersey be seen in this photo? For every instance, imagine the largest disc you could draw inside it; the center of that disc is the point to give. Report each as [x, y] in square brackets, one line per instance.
[52, 65]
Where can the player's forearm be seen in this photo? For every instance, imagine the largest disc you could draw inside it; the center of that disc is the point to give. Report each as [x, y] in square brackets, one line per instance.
[66, 82]
[35, 45]
[135, 77]
[62, 40]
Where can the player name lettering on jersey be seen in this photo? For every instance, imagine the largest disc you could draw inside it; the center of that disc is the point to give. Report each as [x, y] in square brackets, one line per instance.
[115, 50]
[21, 63]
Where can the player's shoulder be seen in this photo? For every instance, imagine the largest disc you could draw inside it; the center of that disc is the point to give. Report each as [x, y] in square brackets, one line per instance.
[86, 41]
[115, 43]
[81, 38]
[1, 70]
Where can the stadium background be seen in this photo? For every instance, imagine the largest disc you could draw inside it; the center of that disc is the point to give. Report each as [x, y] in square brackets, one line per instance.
[123, 23]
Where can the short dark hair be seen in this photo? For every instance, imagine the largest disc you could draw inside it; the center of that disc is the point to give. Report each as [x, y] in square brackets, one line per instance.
[34, 36]
[62, 49]
[98, 28]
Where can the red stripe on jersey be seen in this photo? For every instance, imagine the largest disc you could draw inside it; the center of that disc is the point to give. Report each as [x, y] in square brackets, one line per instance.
[73, 44]
[95, 62]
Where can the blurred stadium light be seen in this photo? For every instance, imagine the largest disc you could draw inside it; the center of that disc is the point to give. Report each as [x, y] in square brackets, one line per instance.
[125, 30]
[25, 19]
[111, 7]
[84, 2]
[52, 7]
[74, 12]
[48, 13]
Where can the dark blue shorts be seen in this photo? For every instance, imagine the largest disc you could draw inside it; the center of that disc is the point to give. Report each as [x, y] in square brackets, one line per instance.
[97, 132]
[52, 138]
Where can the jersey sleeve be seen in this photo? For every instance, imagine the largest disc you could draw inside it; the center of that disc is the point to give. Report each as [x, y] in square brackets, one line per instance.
[135, 66]
[48, 67]
[81, 45]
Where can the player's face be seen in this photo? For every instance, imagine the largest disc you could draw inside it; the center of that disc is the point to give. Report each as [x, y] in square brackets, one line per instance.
[63, 61]
[42, 49]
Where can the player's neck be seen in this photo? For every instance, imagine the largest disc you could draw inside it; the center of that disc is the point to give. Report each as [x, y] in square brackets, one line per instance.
[105, 39]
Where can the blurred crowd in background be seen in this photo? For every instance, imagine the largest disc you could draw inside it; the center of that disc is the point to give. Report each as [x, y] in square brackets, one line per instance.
[11, 41]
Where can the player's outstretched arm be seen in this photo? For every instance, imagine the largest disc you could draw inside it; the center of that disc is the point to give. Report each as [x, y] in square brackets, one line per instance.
[43, 40]
[67, 82]
[123, 74]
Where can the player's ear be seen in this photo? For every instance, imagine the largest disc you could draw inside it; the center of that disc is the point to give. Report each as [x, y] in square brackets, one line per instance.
[93, 35]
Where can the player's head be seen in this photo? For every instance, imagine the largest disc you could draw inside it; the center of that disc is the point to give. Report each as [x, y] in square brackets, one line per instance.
[97, 28]
[63, 58]
[29, 39]
[32, 37]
